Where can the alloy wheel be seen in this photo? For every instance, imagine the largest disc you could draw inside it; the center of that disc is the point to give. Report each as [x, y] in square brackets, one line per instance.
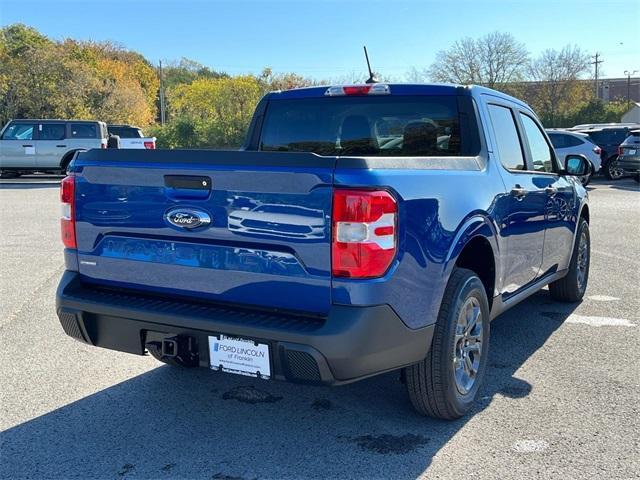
[583, 260]
[614, 171]
[468, 345]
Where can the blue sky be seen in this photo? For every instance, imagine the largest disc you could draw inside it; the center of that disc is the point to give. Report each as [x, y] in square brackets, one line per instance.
[324, 39]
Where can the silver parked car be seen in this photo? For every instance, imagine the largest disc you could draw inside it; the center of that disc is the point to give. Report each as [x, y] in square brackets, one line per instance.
[28, 146]
[575, 143]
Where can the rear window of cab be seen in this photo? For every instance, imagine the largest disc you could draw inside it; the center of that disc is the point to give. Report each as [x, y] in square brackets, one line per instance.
[364, 126]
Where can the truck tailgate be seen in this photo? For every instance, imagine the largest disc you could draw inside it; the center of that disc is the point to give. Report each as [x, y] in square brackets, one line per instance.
[251, 228]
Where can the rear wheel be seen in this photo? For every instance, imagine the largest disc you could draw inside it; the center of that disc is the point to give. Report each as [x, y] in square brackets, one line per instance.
[571, 287]
[611, 169]
[445, 384]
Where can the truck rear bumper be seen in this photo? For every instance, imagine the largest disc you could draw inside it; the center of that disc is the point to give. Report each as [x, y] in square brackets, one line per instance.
[349, 344]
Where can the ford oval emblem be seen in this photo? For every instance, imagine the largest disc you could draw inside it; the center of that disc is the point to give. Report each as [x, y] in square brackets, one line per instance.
[188, 218]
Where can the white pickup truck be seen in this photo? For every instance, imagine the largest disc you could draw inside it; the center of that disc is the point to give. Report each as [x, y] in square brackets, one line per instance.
[132, 137]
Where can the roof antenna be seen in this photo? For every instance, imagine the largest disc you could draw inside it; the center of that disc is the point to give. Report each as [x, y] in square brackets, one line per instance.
[372, 78]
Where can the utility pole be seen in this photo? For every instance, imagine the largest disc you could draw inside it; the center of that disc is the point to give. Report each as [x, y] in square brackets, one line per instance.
[597, 63]
[628, 74]
[162, 105]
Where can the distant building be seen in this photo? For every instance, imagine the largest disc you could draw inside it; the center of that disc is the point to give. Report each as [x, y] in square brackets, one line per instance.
[609, 89]
[633, 115]
[616, 89]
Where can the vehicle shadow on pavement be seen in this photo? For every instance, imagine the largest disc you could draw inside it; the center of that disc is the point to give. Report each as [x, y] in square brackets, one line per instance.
[627, 184]
[176, 423]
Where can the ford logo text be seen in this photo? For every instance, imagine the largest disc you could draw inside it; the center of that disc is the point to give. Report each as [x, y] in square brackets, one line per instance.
[188, 218]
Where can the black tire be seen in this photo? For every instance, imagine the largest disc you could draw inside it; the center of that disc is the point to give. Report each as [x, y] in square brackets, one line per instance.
[572, 286]
[586, 179]
[9, 174]
[432, 383]
[174, 361]
[610, 169]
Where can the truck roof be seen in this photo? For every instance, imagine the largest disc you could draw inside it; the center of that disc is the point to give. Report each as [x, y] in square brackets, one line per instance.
[400, 89]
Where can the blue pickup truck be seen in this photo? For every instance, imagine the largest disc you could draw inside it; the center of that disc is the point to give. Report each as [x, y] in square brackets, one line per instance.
[361, 229]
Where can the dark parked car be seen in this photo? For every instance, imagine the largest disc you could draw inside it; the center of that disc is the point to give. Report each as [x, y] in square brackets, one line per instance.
[629, 155]
[608, 137]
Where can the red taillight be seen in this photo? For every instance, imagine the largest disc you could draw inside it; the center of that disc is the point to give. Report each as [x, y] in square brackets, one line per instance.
[620, 149]
[364, 241]
[356, 90]
[150, 145]
[597, 150]
[103, 144]
[68, 218]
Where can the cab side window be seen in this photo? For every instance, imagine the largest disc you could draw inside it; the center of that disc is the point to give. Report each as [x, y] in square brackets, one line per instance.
[507, 139]
[539, 149]
[19, 131]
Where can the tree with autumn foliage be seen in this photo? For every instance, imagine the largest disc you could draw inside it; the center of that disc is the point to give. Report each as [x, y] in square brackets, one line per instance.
[41, 78]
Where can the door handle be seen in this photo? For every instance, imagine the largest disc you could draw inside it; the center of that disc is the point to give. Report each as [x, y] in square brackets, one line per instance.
[61, 146]
[518, 192]
[551, 190]
[27, 145]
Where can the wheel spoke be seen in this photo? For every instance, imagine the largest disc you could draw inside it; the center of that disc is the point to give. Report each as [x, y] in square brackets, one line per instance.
[475, 314]
[468, 344]
[474, 347]
[468, 365]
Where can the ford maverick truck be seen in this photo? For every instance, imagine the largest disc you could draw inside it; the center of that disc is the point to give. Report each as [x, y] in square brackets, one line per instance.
[361, 229]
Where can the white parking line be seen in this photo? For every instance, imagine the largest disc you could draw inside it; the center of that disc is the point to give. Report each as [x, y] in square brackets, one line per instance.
[599, 321]
[602, 298]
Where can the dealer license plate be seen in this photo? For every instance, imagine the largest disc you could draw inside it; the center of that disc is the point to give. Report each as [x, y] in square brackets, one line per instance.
[240, 356]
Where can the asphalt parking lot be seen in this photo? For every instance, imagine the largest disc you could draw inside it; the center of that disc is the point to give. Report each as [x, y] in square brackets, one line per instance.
[561, 398]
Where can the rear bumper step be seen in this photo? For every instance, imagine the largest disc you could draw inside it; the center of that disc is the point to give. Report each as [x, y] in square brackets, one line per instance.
[349, 344]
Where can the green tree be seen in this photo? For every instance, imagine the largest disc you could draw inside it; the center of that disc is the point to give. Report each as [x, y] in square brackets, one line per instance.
[218, 109]
[40, 78]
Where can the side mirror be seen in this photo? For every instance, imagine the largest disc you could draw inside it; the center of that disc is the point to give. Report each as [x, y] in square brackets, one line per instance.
[577, 165]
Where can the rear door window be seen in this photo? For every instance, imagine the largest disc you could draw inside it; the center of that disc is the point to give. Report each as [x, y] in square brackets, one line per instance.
[573, 141]
[84, 130]
[507, 139]
[52, 131]
[539, 149]
[19, 131]
[421, 126]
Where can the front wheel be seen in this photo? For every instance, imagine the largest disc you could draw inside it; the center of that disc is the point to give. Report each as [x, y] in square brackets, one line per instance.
[572, 286]
[585, 179]
[445, 384]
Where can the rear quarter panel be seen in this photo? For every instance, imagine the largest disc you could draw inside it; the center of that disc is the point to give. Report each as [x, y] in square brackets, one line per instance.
[439, 211]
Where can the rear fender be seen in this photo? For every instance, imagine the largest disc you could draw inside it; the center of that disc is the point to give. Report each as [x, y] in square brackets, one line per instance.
[475, 226]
